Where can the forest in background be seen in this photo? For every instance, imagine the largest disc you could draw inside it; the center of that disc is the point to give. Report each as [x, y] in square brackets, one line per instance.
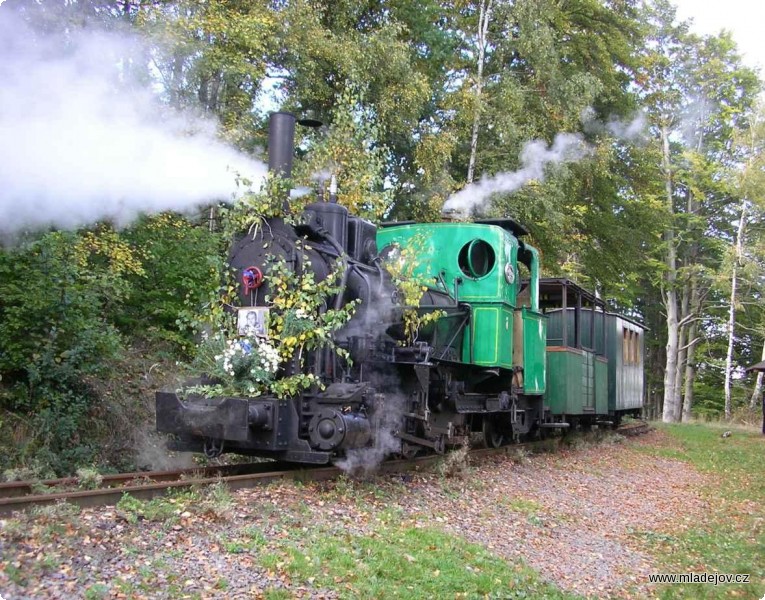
[630, 148]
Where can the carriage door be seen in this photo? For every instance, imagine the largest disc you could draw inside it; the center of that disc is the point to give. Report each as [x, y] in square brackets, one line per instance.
[588, 382]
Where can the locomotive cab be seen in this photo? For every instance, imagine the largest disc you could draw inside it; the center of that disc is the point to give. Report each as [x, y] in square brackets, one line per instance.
[478, 264]
[501, 359]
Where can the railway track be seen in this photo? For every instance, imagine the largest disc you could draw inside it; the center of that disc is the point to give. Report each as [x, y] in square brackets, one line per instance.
[15, 496]
[634, 428]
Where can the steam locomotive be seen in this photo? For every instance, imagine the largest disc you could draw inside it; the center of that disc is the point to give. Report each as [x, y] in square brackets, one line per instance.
[510, 355]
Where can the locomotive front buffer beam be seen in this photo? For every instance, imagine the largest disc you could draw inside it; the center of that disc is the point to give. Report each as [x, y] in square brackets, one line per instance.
[242, 425]
[217, 418]
[255, 425]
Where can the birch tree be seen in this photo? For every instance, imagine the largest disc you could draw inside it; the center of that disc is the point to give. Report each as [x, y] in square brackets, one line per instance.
[484, 16]
[661, 89]
[751, 185]
[697, 94]
[738, 254]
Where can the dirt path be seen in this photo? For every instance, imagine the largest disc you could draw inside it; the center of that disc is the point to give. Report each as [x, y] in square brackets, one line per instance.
[579, 517]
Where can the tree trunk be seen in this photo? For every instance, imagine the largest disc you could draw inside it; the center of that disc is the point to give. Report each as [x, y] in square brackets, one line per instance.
[691, 306]
[757, 393]
[682, 351]
[483, 29]
[690, 363]
[739, 251]
[670, 412]
[176, 81]
[670, 374]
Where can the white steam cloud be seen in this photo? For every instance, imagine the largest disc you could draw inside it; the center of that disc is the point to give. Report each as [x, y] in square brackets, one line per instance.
[387, 419]
[535, 156]
[78, 145]
[151, 453]
[628, 131]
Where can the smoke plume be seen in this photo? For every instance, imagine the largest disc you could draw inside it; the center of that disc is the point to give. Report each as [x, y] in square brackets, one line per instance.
[632, 131]
[629, 131]
[81, 142]
[536, 155]
[387, 419]
[151, 454]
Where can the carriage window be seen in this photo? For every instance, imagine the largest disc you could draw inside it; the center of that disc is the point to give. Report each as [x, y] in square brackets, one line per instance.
[625, 346]
[635, 347]
[630, 347]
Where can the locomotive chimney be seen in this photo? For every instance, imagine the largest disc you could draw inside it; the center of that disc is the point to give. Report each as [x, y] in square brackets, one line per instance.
[281, 140]
[281, 143]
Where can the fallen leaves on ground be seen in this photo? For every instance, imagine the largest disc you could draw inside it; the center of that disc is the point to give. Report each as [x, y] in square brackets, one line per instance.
[576, 517]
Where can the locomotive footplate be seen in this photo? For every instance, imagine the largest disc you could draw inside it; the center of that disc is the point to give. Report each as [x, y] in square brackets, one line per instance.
[215, 418]
[482, 403]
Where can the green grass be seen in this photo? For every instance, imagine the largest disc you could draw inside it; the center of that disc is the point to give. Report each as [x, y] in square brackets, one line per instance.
[731, 538]
[523, 506]
[255, 538]
[234, 546]
[212, 500]
[409, 563]
[159, 509]
[96, 591]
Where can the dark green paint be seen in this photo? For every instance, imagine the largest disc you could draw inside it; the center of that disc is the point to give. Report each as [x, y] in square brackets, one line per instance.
[577, 383]
[444, 252]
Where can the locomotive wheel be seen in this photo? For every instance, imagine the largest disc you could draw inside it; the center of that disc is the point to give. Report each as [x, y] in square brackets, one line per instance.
[492, 437]
[409, 451]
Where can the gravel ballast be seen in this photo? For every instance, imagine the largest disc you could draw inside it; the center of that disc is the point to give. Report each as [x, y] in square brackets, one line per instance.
[579, 517]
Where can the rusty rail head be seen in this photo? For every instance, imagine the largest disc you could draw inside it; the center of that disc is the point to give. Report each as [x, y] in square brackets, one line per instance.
[26, 488]
[234, 477]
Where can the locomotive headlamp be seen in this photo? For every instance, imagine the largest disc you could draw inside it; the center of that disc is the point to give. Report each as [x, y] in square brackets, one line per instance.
[252, 279]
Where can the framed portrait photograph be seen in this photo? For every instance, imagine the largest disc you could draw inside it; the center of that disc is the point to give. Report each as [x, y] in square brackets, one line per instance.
[253, 321]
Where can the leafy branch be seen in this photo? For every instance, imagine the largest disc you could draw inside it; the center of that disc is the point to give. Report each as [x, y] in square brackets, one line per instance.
[402, 264]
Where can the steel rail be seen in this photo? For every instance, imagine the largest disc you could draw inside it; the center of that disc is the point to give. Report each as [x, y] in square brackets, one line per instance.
[26, 488]
[233, 476]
